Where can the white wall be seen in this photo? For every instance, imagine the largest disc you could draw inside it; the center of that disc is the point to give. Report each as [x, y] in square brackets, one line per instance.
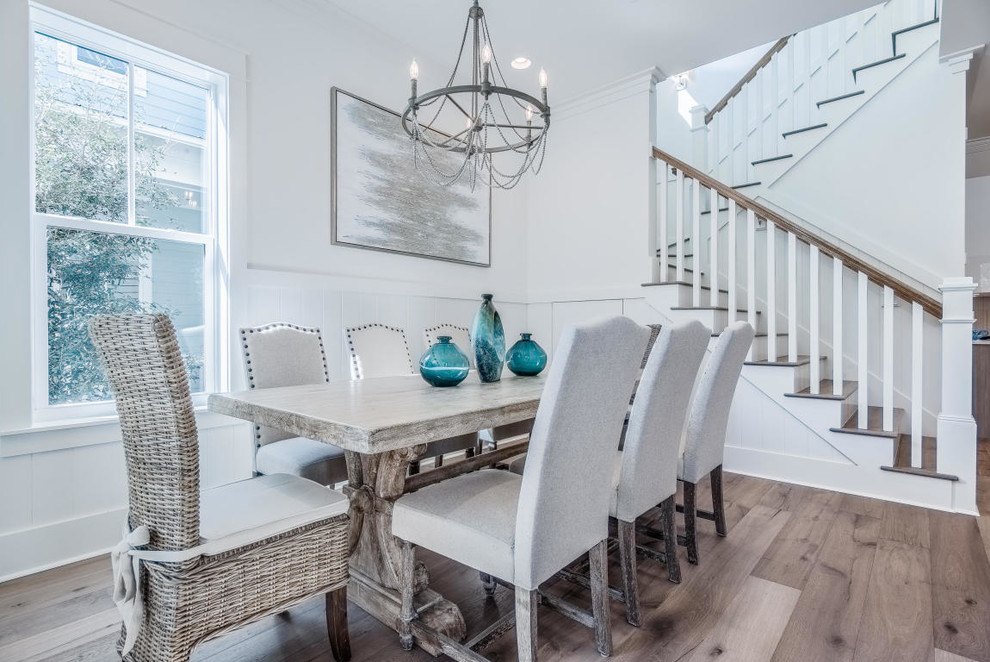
[978, 229]
[62, 488]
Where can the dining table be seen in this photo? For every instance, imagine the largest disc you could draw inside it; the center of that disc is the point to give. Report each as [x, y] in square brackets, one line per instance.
[383, 424]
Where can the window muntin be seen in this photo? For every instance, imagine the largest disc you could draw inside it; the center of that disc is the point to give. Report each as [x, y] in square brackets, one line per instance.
[128, 185]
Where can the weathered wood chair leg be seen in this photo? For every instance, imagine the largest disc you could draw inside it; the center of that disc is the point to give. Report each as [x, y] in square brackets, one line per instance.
[468, 453]
[598, 557]
[526, 603]
[489, 583]
[718, 503]
[407, 611]
[669, 525]
[414, 467]
[627, 561]
[689, 523]
[438, 461]
[340, 640]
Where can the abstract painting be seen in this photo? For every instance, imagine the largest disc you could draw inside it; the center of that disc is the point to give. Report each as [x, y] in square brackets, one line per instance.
[382, 202]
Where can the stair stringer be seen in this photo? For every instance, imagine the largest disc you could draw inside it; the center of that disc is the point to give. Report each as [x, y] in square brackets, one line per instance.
[788, 439]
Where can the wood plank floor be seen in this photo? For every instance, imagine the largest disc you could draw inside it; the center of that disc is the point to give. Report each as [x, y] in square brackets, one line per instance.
[804, 574]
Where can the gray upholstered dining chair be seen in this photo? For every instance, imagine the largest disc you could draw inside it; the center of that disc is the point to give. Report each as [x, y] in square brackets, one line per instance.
[193, 565]
[646, 468]
[379, 350]
[282, 354]
[704, 437]
[523, 529]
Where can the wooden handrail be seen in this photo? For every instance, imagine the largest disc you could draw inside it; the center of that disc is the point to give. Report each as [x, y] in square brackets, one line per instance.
[762, 62]
[906, 292]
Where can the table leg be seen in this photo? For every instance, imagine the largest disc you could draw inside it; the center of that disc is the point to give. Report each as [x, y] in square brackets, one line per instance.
[376, 481]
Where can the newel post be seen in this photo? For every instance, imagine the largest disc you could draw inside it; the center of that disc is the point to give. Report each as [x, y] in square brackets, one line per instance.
[956, 425]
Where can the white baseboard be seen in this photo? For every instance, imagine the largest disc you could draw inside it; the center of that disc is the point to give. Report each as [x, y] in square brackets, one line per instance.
[32, 550]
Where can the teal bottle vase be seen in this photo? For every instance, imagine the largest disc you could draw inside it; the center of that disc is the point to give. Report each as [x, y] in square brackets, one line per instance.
[488, 341]
[444, 364]
[526, 358]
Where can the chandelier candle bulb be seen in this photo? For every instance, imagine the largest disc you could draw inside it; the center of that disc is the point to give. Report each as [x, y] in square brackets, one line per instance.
[413, 77]
[543, 85]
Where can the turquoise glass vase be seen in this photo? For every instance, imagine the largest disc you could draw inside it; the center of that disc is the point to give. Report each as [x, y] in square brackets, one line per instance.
[526, 358]
[488, 341]
[444, 364]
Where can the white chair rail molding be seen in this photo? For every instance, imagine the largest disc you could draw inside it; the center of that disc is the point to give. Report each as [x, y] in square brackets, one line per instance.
[319, 342]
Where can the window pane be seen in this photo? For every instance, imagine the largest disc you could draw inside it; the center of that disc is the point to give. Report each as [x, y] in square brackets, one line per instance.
[170, 151]
[80, 131]
[91, 273]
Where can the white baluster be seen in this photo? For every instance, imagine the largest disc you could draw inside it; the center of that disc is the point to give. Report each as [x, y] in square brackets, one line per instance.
[863, 406]
[771, 311]
[679, 229]
[792, 338]
[888, 358]
[837, 326]
[713, 253]
[814, 346]
[662, 238]
[750, 275]
[917, 377]
[732, 256]
[696, 243]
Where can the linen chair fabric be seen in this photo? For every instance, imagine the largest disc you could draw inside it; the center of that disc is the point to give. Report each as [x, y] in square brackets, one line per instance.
[560, 509]
[283, 354]
[704, 436]
[191, 567]
[379, 350]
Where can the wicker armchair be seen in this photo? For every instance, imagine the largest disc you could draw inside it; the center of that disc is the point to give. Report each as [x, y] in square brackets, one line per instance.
[192, 566]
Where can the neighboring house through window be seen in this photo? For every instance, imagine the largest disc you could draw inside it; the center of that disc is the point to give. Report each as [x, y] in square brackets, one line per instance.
[129, 178]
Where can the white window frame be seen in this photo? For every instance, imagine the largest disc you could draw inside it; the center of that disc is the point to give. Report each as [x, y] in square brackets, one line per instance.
[215, 207]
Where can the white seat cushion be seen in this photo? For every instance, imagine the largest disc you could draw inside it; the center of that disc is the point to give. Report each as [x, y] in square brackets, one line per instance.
[303, 457]
[250, 510]
[470, 519]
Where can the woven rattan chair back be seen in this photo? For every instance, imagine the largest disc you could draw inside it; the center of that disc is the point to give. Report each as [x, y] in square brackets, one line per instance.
[144, 366]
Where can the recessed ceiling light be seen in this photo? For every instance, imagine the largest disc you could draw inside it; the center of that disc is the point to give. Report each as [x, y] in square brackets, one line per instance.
[521, 63]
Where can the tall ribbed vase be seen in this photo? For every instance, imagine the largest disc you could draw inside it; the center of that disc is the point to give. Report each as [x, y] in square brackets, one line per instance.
[488, 341]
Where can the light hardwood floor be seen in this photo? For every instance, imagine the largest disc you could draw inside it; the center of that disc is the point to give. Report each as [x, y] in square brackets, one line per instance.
[804, 574]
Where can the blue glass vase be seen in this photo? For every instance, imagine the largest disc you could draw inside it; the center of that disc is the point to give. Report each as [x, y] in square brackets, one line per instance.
[488, 341]
[526, 358]
[444, 364]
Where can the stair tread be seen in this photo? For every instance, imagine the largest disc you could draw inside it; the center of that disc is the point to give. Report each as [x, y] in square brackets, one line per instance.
[840, 97]
[721, 308]
[782, 361]
[902, 459]
[825, 391]
[874, 423]
[920, 472]
[772, 159]
[885, 60]
[710, 211]
[739, 186]
[807, 128]
[683, 282]
[915, 26]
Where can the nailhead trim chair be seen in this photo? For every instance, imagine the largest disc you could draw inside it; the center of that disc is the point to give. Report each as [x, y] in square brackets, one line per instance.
[194, 565]
[379, 350]
[283, 354]
[704, 437]
[523, 529]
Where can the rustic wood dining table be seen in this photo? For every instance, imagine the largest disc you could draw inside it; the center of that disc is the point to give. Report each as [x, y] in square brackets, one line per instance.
[383, 424]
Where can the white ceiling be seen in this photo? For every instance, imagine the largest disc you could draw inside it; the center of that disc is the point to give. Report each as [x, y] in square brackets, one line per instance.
[584, 44]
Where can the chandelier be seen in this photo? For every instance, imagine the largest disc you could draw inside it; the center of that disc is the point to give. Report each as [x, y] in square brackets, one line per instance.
[457, 129]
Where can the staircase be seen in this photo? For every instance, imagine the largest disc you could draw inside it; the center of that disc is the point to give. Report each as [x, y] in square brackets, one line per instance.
[853, 381]
[807, 86]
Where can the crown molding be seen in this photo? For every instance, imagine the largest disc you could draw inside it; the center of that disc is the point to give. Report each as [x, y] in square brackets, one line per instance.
[629, 86]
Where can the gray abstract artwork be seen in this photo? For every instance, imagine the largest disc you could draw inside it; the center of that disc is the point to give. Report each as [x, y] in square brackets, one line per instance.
[382, 202]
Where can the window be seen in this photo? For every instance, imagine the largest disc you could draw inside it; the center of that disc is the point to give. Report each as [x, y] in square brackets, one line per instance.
[129, 177]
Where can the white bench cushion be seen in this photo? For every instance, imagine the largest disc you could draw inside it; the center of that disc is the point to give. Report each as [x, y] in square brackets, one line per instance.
[250, 510]
[308, 458]
[470, 519]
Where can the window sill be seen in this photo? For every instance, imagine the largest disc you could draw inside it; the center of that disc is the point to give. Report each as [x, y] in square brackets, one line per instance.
[50, 436]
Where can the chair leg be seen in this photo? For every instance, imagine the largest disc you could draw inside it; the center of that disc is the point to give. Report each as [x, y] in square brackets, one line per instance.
[718, 503]
[670, 540]
[414, 467]
[627, 560]
[438, 461]
[598, 558]
[526, 602]
[407, 611]
[489, 583]
[468, 453]
[689, 523]
[340, 640]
